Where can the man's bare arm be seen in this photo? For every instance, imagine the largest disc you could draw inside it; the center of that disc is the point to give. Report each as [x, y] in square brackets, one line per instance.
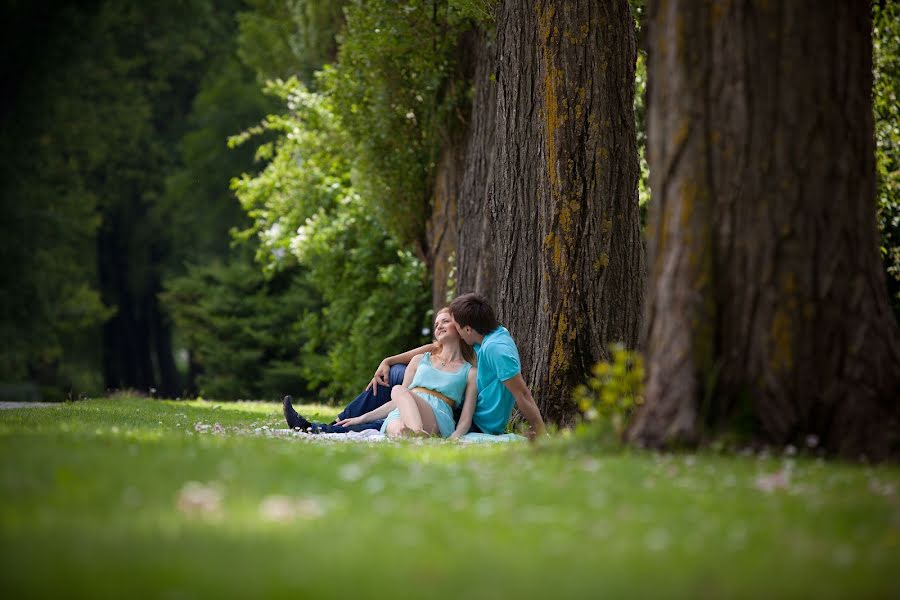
[526, 404]
[383, 372]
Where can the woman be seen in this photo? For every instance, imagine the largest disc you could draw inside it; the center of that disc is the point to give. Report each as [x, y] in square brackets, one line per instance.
[434, 384]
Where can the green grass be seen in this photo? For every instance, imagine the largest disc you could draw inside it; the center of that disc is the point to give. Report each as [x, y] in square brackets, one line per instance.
[90, 508]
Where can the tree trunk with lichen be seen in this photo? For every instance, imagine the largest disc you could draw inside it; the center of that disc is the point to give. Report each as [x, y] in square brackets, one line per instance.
[560, 213]
[766, 302]
[475, 256]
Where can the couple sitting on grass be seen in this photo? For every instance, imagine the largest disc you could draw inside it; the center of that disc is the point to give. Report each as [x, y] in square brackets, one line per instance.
[448, 389]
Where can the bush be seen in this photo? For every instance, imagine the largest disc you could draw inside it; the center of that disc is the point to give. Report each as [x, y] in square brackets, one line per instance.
[305, 211]
[245, 332]
[612, 392]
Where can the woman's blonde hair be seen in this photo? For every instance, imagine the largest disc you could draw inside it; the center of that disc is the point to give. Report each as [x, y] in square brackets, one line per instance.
[468, 353]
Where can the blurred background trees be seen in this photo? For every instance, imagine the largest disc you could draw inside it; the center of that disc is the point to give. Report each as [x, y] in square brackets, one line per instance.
[250, 198]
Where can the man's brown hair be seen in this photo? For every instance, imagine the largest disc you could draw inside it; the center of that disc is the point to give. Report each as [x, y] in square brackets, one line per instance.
[473, 310]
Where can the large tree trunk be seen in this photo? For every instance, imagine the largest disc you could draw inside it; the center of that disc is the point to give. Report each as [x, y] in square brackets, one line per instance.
[557, 219]
[475, 256]
[442, 227]
[766, 297]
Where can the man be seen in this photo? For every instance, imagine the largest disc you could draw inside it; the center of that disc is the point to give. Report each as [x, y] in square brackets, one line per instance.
[500, 382]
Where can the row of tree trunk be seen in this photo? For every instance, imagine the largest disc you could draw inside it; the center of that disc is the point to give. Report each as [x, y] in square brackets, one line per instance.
[765, 301]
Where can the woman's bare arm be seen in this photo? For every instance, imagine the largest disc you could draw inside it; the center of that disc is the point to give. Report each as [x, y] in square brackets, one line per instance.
[471, 397]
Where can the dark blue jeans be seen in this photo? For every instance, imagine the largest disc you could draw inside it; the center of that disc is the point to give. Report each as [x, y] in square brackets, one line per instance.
[363, 403]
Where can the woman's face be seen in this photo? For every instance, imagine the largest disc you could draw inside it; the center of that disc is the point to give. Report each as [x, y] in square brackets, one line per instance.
[444, 328]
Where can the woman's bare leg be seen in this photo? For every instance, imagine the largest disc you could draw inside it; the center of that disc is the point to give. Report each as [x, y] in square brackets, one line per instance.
[395, 429]
[415, 413]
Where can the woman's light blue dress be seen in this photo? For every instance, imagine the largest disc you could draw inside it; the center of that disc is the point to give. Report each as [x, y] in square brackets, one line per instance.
[452, 385]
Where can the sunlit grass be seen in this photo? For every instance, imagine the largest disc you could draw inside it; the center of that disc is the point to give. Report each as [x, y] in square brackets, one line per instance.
[126, 496]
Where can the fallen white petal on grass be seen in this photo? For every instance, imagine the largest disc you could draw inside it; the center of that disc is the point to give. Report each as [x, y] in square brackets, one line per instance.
[200, 500]
[281, 509]
[657, 540]
[769, 483]
[350, 472]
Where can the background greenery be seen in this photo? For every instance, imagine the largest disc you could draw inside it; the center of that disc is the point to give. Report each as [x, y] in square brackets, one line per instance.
[886, 99]
[230, 198]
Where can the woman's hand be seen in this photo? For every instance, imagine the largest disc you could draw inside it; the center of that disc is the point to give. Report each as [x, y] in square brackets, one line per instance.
[350, 422]
[382, 377]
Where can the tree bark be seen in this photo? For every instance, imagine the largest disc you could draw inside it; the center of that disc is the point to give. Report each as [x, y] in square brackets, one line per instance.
[475, 252]
[766, 304]
[562, 190]
[450, 191]
[442, 227]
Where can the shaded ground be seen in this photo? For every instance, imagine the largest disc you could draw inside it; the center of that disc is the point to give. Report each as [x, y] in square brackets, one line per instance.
[106, 497]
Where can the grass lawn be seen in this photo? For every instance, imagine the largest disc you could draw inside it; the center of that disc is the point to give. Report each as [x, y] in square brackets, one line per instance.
[97, 501]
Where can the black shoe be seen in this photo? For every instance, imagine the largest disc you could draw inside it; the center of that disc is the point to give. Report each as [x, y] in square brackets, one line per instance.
[294, 420]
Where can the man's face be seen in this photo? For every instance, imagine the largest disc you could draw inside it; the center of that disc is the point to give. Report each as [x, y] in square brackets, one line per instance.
[466, 333]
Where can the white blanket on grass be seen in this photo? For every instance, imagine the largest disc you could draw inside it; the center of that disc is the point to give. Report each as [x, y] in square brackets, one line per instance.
[373, 435]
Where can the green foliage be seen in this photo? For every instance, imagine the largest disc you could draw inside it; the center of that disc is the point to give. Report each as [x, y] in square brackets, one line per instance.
[886, 100]
[639, 12]
[198, 203]
[305, 210]
[55, 143]
[114, 176]
[289, 38]
[390, 90]
[244, 332]
[612, 391]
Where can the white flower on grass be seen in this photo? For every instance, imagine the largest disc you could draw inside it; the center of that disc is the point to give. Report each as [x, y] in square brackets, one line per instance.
[780, 480]
[375, 485]
[277, 508]
[200, 500]
[886, 489]
[350, 472]
[657, 540]
[590, 465]
[310, 508]
[282, 509]
[484, 508]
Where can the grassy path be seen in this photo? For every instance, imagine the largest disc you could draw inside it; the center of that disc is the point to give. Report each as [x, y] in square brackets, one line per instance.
[105, 498]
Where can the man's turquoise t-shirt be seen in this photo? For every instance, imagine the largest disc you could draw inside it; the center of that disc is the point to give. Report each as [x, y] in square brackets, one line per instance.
[498, 361]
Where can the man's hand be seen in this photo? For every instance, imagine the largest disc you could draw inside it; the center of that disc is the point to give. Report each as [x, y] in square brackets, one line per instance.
[382, 377]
